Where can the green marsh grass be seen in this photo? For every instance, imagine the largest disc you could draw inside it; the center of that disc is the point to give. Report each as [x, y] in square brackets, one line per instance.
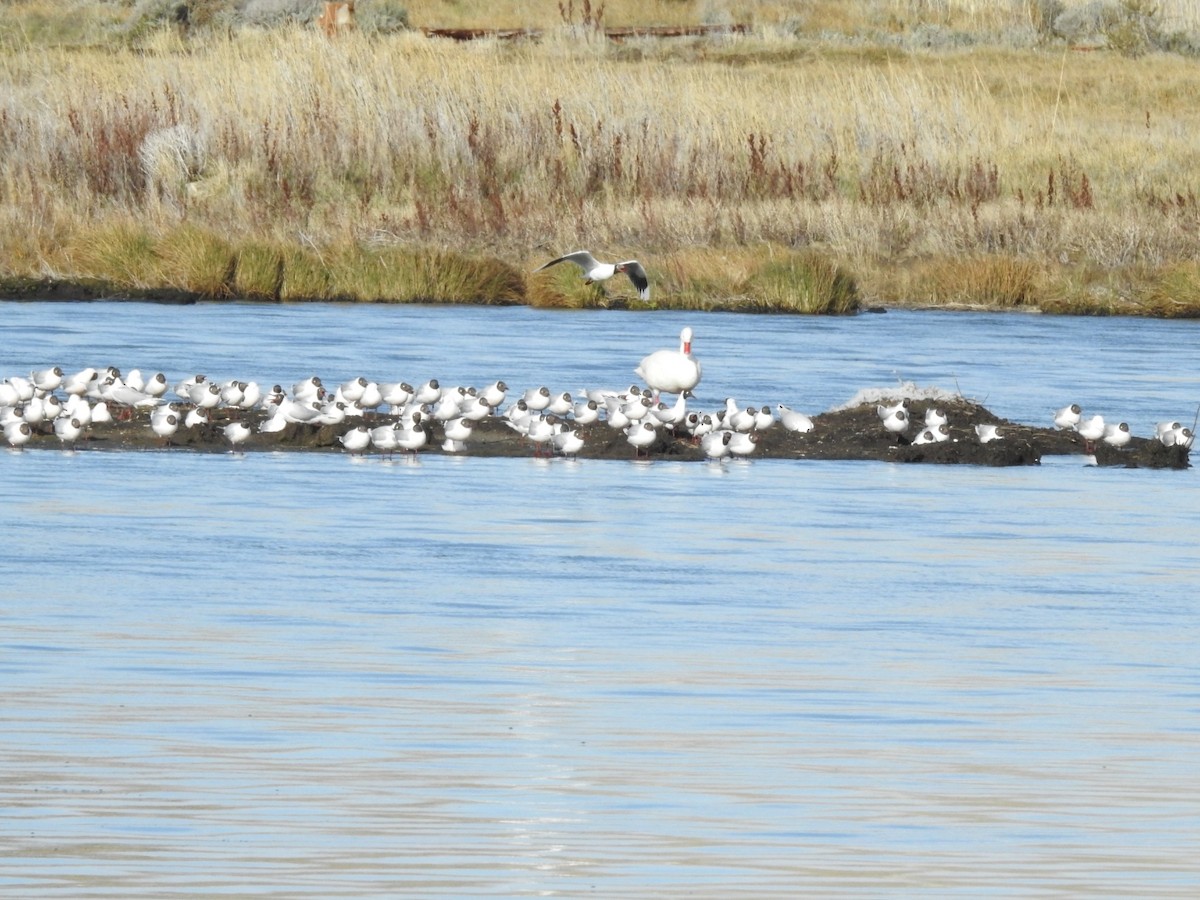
[802, 283]
[1174, 292]
[122, 254]
[258, 274]
[197, 262]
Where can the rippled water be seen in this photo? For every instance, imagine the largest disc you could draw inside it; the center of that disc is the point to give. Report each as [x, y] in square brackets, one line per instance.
[300, 675]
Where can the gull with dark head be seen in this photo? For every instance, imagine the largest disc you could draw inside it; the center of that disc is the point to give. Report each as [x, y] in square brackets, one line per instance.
[715, 444]
[988, 432]
[165, 426]
[47, 379]
[68, 430]
[17, 433]
[641, 435]
[894, 418]
[594, 270]
[567, 442]
[1117, 435]
[742, 443]
[925, 437]
[1164, 427]
[356, 440]
[1175, 435]
[1067, 417]
[236, 433]
[586, 412]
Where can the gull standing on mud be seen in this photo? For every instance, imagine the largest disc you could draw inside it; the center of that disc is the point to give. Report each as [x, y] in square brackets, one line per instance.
[987, 432]
[594, 270]
[165, 427]
[1091, 429]
[68, 430]
[641, 435]
[715, 444]
[793, 420]
[1117, 435]
[894, 418]
[1067, 417]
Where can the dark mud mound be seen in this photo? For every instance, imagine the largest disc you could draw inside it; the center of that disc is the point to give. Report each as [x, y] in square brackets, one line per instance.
[845, 434]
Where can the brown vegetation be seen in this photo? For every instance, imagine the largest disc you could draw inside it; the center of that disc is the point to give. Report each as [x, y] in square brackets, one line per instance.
[755, 171]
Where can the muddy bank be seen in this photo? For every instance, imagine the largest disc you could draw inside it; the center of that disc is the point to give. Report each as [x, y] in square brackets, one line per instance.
[846, 434]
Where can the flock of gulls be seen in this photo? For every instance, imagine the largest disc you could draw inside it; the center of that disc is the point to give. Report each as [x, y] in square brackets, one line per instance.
[896, 419]
[1117, 434]
[397, 417]
[386, 417]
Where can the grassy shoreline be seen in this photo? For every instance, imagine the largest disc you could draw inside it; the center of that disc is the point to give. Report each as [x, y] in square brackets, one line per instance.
[794, 169]
[188, 264]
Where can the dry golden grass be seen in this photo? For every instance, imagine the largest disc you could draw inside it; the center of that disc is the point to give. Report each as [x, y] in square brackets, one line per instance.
[996, 282]
[846, 16]
[307, 168]
[121, 254]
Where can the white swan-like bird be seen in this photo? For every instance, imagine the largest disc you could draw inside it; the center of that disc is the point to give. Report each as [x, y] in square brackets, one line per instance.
[671, 371]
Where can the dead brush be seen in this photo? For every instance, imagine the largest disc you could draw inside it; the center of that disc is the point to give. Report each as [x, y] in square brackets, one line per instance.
[587, 18]
[874, 158]
[900, 178]
[108, 139]
[1068, 186]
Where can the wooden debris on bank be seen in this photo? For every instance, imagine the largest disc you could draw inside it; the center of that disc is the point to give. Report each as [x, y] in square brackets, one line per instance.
[616, 35]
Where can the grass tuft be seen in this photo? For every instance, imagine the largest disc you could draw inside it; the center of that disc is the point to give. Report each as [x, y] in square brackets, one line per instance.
[259, 272]
[562, 288]
[455, 278]
[417, 275]
[990, 281]
[121, 254]
[805, 282]
[305, 276]
[1174, 292]
[197, 262]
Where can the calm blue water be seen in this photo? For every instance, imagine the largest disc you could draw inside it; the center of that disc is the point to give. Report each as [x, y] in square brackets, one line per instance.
[301, 675]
